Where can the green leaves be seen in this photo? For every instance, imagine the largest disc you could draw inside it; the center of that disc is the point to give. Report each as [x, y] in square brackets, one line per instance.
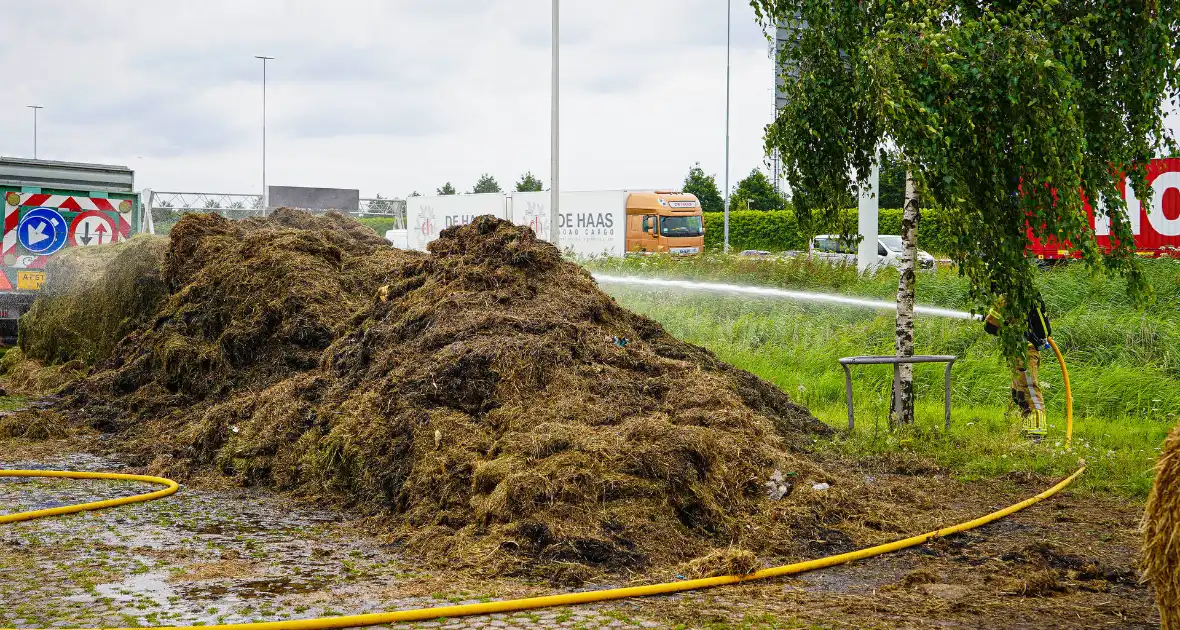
[705, 188]
[755, 192]
[486, 184]
[529, 183]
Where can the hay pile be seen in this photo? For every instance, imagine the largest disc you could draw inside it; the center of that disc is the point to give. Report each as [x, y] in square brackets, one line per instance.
[1161, 527]
[489, 396]
[93, 298]
[250, 304]
[31, 377]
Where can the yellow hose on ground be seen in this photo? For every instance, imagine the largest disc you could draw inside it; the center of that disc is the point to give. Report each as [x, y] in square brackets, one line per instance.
[567, 599]
[1068, 393]
[170, 488]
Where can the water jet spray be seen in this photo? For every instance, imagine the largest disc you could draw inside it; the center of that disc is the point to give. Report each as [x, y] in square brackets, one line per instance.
[803, 296]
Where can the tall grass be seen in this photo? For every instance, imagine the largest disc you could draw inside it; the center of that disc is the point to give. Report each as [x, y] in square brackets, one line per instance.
[1123, 361]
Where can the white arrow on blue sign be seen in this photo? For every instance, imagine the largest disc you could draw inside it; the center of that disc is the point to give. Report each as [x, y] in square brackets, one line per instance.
[42, 231]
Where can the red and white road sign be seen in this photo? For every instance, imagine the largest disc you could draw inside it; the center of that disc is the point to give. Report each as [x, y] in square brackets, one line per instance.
[92, 228]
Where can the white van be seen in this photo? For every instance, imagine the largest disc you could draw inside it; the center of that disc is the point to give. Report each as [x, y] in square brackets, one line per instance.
[838, 250]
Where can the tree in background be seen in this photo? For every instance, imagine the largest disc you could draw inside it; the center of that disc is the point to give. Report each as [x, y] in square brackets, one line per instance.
[705, 189]
[1002, 113]
[447, 189]
[528, 183]
[755, 192]
[415, 194]
[486, 184]
[891, 188]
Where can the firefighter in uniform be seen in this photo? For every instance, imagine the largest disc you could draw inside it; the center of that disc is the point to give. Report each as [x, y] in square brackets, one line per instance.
[1026, 389]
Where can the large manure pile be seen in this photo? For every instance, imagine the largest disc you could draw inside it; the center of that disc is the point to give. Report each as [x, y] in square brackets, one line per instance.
[1161, 526]
[488, 396]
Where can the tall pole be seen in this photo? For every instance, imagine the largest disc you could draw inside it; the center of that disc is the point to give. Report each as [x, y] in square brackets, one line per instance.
[264, 59]
[728, 15]
[866, 220]
[35, 108]
[554, 131]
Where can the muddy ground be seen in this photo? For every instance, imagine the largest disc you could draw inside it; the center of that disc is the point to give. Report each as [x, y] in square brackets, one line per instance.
[213, 554]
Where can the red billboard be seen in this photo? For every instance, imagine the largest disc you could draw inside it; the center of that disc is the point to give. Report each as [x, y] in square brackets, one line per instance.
[1156, 225]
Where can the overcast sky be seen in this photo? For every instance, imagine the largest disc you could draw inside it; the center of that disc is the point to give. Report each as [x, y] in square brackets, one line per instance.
[382, 95]
[385, 96]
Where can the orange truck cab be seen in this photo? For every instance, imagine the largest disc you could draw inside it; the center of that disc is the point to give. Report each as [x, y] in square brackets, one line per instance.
[666, 222]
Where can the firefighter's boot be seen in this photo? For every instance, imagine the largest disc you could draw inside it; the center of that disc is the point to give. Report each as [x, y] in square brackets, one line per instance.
[1034, 425]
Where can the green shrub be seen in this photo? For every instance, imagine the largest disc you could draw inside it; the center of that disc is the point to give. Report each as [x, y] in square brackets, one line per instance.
[775, 230]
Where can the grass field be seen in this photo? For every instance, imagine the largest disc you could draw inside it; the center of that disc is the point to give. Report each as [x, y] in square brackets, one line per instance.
[379, 224]
[1124, 362]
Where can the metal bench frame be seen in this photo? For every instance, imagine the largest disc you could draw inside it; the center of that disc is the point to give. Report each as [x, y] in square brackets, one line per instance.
[895, 361]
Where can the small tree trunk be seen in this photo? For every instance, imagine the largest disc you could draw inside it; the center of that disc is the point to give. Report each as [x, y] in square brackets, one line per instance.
[902, 408]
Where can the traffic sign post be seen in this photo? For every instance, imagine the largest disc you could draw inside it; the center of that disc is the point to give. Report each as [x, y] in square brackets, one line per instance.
[92, 228]
[42, 231]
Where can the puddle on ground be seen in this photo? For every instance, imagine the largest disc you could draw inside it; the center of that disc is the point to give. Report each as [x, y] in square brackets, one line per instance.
[136, 592]
[250, 589]
[256, 557]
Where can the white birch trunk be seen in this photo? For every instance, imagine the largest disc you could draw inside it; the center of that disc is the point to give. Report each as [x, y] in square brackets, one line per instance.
[902, 407]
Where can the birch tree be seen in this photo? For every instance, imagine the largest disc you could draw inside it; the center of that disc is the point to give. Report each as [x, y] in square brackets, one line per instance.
[901, 409]
[1002, 112]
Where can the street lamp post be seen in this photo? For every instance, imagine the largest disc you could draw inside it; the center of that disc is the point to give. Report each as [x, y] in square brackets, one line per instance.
[264, 59]
[35, 108]
[728, 16]
[554, 132]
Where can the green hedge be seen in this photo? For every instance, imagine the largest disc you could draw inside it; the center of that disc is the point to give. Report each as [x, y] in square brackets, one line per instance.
[778, 230]
[775, 230]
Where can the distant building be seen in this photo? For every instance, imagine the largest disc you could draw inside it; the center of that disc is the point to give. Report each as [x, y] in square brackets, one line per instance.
[787, 34]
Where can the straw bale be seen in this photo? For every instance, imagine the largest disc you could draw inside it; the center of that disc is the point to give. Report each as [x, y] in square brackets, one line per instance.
[1161, 533]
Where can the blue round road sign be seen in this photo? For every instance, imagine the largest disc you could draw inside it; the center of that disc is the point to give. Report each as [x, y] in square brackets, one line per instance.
[42, 231]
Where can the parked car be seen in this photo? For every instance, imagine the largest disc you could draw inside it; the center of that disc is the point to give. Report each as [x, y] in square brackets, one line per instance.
[834, 248]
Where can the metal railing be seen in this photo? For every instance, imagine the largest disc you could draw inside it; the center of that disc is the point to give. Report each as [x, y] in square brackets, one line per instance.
[382, 207]
[222, 203]
[894, 361]
[165, 208]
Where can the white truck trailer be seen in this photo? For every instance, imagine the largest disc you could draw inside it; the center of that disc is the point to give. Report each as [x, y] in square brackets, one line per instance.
[591, 223]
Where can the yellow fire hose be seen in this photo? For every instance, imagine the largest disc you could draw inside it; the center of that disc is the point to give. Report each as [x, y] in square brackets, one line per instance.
[568, 599]
[1068, 393]
[170, 488]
